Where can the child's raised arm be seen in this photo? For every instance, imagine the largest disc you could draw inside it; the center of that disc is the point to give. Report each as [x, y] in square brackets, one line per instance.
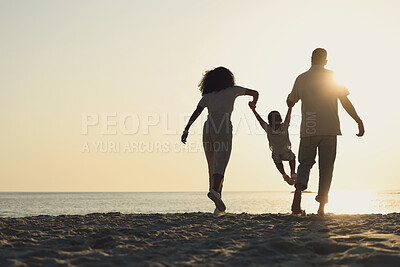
[288, 115]
[260, 120]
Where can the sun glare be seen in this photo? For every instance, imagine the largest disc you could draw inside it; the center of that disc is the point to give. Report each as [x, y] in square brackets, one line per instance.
[353, 202]
[340, 78]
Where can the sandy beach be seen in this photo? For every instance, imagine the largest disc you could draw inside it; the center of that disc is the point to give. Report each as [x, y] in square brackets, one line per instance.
[199, 239]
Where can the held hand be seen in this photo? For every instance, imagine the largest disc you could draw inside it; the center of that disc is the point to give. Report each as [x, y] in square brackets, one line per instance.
[184, 136]
[289, 103]
[361, 130]
[252, 105]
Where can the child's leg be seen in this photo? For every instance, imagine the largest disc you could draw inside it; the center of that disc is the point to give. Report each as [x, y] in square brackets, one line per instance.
[286, 177]
[280, 168]
[292, 165]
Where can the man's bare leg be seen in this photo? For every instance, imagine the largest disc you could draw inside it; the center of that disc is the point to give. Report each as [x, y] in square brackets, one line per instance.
[321, 210]
[296, 205]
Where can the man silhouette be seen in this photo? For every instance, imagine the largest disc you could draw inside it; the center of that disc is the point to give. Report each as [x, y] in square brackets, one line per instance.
[320, 125]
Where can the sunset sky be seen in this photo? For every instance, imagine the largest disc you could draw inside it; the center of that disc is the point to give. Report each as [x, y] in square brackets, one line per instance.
[127, 72]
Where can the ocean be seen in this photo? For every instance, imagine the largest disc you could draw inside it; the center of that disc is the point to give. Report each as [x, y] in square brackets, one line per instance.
[21, 204]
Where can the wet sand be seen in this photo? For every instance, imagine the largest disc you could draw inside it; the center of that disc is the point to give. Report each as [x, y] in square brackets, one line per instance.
[199, 239]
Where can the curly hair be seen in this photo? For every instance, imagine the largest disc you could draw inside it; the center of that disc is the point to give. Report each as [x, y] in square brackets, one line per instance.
[216, 80]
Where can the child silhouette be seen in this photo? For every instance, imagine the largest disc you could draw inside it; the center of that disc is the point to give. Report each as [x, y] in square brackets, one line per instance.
[279, 143]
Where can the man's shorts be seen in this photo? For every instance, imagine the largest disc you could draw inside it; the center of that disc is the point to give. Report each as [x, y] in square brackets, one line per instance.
[287, 156]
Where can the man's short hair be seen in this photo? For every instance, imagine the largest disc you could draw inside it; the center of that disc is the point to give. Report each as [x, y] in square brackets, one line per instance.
[319, 56]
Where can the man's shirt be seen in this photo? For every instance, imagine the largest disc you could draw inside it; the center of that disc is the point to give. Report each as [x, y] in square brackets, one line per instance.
[319, 94]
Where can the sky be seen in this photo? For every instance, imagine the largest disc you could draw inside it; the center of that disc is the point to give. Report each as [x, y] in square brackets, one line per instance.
[94, 95]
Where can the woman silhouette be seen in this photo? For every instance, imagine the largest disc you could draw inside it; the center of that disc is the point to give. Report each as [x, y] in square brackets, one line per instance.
[219, 93]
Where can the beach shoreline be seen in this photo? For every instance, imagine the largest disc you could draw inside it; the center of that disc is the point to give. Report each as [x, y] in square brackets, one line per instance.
[199, 239]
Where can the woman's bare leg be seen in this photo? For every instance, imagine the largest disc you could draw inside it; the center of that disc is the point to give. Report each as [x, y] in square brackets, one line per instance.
[217, 182]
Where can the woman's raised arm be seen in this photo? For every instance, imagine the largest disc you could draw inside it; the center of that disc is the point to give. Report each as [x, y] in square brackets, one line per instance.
[254, 94]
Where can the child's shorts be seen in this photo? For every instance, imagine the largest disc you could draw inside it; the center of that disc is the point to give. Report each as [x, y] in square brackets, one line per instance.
[287, 156]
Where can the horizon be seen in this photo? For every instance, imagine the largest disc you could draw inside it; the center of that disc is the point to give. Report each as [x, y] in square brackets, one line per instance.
[204, 191]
